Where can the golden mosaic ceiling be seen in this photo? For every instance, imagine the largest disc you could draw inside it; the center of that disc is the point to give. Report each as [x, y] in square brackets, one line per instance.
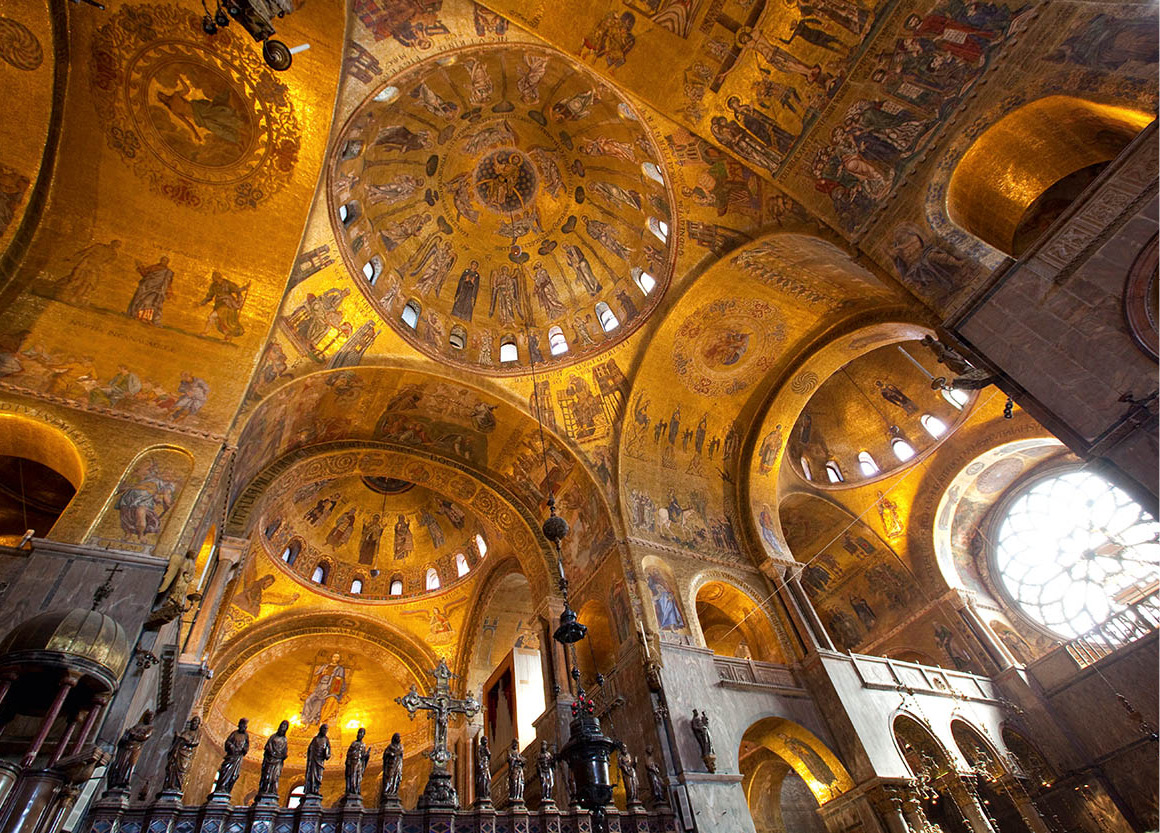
[494, 196]
[374, 530]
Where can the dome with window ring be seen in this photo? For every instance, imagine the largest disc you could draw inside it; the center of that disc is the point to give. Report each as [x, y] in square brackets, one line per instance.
[501, 207]
[374, 538]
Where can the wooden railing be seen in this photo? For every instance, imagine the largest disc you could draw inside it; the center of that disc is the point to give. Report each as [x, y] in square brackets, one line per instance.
[1116, 631]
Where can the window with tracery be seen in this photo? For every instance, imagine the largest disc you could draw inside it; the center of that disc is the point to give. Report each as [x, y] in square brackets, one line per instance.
[1069, 545]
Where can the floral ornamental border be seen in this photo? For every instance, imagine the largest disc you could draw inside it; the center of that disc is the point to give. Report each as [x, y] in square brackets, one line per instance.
[141, 38]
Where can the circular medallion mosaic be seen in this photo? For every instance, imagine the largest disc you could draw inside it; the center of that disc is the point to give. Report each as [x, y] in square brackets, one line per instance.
[503, 207]
[201, 119]
[727, 344]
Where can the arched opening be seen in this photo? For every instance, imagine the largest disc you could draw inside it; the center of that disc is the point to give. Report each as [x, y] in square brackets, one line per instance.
[788, 774]
[644, 281]
[372, 269]
[867, 465]
[733, 626]
[290, 554]
[557, 343]
[410, 314]
[356, 587]
[994, 781]
[508, 351]
[40, 472]
[461, 566]
[432, 580]
[929, 763]
[596, 654]
[396, 586]
[458, 337]
[321, 574]
[1025, 170]
[607, 318]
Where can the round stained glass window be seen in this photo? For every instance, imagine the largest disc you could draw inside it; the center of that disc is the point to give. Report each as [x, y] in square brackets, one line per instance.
[1069, 544]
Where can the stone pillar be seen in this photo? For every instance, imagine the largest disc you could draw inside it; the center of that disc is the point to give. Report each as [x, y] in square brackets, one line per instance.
[887, 802]
[961, 789]
[1023, 803]
[66, 686]
[798, 602]
[229, 555]
[994, 648]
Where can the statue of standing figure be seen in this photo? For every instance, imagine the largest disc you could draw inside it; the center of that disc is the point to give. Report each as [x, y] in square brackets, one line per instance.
[392, 771]
[317, 754]
[181, 756]
[273, 756]
[236, 747]
[515, 773]
[628, 778]
[700, 727]
[128, 751]
[546, 768]
[656, 780]
[483, 772]
[357, 758]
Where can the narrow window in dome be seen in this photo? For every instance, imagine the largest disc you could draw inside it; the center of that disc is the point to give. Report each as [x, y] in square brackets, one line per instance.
[659, 228]
[867, 465]
[834, 472]
[652, 172]
[933, 425]
[481, 545]
[461, 567]
[556, 341]
[290, 554]
[458, 337]
[348, 213]
[372, 269]
[387, 94]
[809, 475]
[410, 314]
[350, 150]
[432, 579]
[608, 319]
[958, 398]
[319, 574]
[356, 587]
[508, 351]
[902, 449]
[644, 280]
[396, 586]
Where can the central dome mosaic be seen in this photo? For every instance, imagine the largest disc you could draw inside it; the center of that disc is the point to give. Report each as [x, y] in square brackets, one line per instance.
[502, 207]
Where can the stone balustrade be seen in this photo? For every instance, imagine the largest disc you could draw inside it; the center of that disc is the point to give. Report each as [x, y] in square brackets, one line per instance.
[746, 673]
[883, 673]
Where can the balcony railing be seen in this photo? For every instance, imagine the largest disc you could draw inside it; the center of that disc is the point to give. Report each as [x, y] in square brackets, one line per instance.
[746, 673]
[1121, 629]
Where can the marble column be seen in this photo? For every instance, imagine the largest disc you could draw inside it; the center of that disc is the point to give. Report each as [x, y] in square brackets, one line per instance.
[887, 802]
[95, 711]
[229, 555]
[1023, 803]
[66, 686]
[799, 602]
[961, 789]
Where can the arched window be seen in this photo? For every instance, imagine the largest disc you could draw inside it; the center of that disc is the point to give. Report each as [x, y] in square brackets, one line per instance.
[273, 527]
[1007, 195]
[651, 171]
[625, 111]
[509, 351]
[290, 554]
[480, 545]
[902, 449]
[387, 94]
[396, 586]
[432, 579]
[295, 797]
[410, 314]
[958, 398]
[809, 475]
[646, 282]
[461, 567]
[557, 344]
[372, 269]
[933, 425]
[659, 228]
[1072, 549]
[356, 587]
[458, 337]
[350, 150]
[834, 471]
[320, 574]
[867, 465]
[608, 319]
[348, 212]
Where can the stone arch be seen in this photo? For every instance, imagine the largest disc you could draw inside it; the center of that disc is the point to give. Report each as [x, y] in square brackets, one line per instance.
[43, 471]
[728, 616]
[497, 580]
[801, 751]
[598, 653]
[1026, 168]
